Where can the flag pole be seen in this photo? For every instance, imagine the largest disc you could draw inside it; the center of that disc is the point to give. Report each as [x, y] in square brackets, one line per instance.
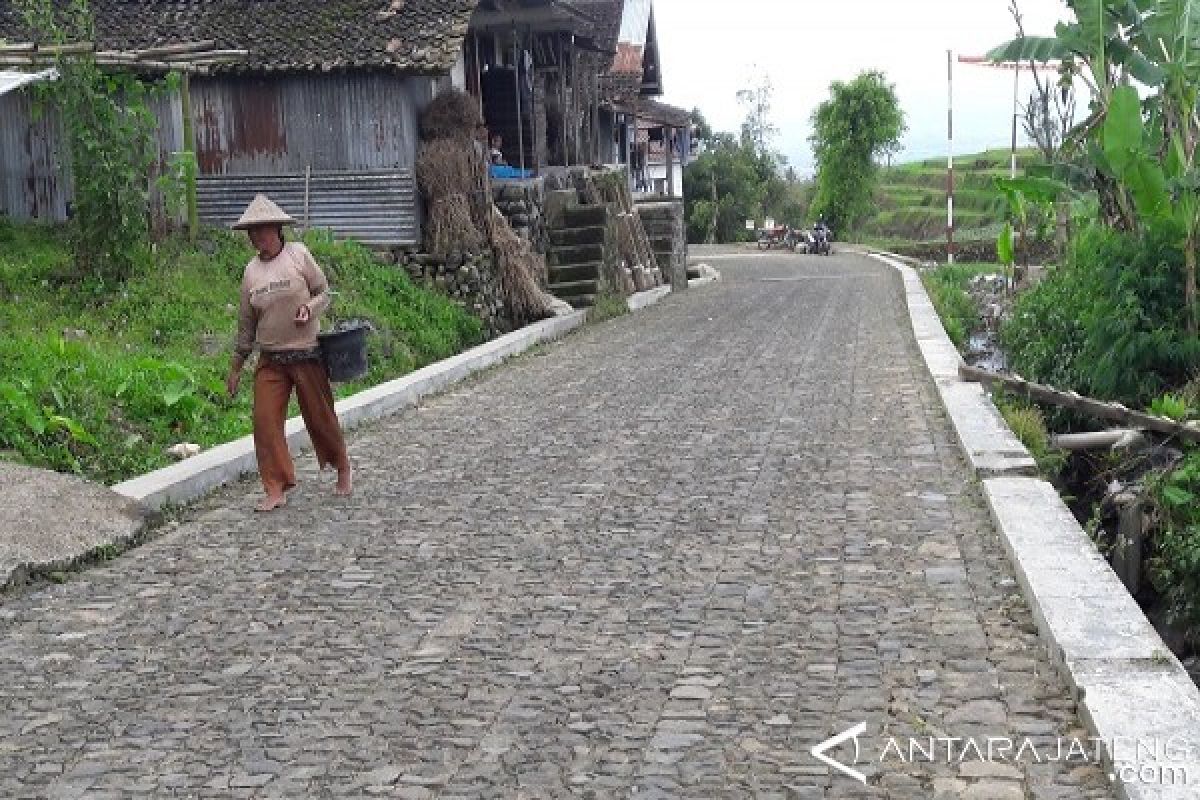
[950, 157]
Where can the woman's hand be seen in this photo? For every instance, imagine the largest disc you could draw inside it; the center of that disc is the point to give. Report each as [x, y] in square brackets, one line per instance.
[233, 381]
[303, 314]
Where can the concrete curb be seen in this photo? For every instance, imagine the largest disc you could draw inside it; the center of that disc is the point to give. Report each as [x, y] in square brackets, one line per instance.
[200, 474]
[637, 302]
[1131, 691]
[989, 445]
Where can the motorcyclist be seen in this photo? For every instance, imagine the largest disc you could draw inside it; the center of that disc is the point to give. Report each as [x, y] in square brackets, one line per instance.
[824, 234]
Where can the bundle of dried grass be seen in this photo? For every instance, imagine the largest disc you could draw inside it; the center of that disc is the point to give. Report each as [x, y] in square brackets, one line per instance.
[446, 176]
[450, 230]
[453, 114]
[517, 265]
[444, 168]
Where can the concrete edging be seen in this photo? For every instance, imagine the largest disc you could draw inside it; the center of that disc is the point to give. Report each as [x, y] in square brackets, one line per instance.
[1130, 688]
[228, 462]
[640, 300]
[985, 438]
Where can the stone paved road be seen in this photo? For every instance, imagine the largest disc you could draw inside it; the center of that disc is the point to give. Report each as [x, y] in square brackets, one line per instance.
[663, 558]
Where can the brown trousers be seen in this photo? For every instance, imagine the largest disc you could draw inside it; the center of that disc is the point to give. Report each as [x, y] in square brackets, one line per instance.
[273, 384]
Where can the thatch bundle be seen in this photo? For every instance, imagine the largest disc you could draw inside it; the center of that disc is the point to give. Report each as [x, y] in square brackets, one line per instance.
[453, 114]
[452, 173]
[445, 173]
[516, 263]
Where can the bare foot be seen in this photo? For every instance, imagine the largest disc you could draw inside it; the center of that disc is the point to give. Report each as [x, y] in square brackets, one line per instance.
[271, 502]
[344, 486]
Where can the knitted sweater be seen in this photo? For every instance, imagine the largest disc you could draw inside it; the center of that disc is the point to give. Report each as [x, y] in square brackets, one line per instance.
[272, 293]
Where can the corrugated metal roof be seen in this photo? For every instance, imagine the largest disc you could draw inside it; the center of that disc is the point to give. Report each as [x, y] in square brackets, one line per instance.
[11, 80]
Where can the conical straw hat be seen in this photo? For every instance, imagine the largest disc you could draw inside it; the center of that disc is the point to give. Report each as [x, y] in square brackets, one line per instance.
[262, 211]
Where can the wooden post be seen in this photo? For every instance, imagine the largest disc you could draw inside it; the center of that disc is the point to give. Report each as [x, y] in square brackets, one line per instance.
[307, 189]
[668, 140]
[520, 112]
[189, 147]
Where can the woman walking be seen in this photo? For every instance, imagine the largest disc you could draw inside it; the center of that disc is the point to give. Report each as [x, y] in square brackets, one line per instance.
[282, 297]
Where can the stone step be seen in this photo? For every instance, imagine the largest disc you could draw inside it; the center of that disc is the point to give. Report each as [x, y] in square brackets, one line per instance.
[571, 289]
[582, 300]
[576, 272]
[569, 256]
[586, 216]
[574, 237]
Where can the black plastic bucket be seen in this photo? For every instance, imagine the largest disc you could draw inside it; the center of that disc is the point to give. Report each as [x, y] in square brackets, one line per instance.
[345, 352]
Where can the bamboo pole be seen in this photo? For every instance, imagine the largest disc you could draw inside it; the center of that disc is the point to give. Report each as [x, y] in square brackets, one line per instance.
[1076, 402]
[182, 47]
[189, 145]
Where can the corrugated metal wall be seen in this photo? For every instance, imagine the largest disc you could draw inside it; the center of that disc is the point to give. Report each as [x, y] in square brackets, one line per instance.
[33, 183]
[356, 132]
[35, 166]
[377, 208]
[281, 124]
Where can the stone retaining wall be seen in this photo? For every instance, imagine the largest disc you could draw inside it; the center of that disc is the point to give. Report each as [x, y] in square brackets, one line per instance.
[470, 281]
[523, 203]
[664, 224]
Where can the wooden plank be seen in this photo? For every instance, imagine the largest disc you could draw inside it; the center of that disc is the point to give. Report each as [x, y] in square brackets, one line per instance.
[1085, 405]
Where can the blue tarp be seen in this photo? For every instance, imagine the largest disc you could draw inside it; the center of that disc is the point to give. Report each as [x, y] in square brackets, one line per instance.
[505, 171]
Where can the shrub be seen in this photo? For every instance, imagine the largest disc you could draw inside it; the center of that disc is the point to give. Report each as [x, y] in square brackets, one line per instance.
[1175, 564]
[1109, 322]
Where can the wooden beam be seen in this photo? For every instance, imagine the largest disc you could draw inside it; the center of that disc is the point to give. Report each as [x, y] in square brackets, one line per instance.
[1114, 412]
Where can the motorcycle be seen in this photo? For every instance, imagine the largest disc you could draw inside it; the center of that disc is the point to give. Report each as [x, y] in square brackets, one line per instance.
[822, 241]
[779, 236]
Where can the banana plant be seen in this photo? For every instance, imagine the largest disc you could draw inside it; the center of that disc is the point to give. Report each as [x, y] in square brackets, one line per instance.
[1021, 194]
[1144, 150]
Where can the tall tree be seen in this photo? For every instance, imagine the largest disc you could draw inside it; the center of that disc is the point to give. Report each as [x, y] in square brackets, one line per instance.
[860, 123]
[757, 128]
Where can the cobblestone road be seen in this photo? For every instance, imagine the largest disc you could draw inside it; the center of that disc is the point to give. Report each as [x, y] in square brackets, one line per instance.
[662, 558]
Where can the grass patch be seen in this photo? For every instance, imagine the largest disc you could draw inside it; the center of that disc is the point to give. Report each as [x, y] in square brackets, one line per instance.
[99, 383]
[607, 306]
[947, 287]
[1029, 425]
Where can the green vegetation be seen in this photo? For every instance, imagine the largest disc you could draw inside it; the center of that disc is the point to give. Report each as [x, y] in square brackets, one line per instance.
[860, 123]
[1175, 565]
[100, 383]
[109, 133]
[947, 287]
[1108, 323]
[1029, 425]
[909, 204]
[1119, 320]
[740, 177]
[608, 306]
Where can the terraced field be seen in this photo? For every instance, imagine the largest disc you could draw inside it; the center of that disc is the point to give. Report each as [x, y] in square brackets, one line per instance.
[911, 203]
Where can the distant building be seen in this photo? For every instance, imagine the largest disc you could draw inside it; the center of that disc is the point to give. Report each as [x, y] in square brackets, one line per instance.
[651, 138]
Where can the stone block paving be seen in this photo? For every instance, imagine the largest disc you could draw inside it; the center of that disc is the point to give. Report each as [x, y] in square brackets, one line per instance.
[662, 558]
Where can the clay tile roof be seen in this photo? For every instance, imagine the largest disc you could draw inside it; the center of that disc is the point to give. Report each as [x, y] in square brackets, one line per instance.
[418, 36]
[608, 14]
[655, 111]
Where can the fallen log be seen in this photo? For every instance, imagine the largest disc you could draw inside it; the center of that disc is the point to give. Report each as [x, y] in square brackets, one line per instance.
[1114, 412]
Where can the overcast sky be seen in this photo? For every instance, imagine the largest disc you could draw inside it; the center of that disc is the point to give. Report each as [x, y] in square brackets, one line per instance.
[712, 48]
